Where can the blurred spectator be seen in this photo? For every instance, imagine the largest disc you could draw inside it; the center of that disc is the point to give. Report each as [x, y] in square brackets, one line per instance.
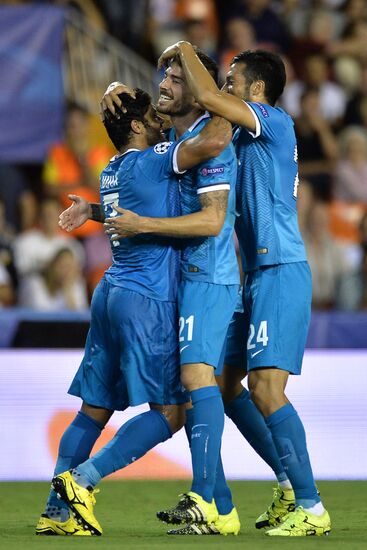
[18, 198]
[332, 96]
[35, 247]
[351, 170]
[356, 111]
[317, 146]
[305, 202]
[326, 258]
[314, 28]
[199, 33]
[353, 42]
[353, 291]
[202, 10]
[74, 167]
[270, 31]
[239, 35]
[57, 287]
[8, 275]
[130, 22]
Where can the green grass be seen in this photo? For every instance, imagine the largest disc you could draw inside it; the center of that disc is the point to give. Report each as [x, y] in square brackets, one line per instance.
[126, 510]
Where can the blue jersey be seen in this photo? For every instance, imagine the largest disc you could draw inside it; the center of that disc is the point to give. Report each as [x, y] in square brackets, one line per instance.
[267, 182]
[145, 182]
[209, 259]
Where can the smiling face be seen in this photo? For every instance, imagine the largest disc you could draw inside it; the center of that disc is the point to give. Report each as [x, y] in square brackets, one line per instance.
[153, 125]
[175, 98]
[236, 82]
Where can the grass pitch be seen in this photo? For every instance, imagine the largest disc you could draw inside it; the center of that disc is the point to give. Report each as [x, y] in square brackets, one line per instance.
[126, 510]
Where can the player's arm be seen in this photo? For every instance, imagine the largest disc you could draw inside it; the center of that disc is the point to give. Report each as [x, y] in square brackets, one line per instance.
[207, 222]
[79, 212]
[209, 143]
[205, 90]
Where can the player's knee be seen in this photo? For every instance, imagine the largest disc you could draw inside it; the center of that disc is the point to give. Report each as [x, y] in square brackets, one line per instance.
[98, 414]
[230, 383]
[175, 415]
[198, 375]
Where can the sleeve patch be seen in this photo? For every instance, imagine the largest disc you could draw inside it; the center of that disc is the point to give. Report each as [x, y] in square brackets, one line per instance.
[263, 110]
[162, 148]
[212, 170]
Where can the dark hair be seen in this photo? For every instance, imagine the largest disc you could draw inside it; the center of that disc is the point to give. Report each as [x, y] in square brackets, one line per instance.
[206, 60]
[118, 126]
[266, 66]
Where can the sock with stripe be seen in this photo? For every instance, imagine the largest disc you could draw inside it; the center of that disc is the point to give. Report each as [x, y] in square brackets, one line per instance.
[251, 423]
[290, 441]
[222, 493]
[75, 447]
[206, 435]
[132, 441]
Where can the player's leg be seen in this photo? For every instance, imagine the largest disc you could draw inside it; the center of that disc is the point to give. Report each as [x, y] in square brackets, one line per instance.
[245, 415]
[228, 521]
[147, 373]
[205, 312]
[277, 342]
[79, 438]
[267, 390]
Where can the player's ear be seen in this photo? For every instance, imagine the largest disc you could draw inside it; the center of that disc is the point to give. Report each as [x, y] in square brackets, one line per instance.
[258, 88]
[137, 126]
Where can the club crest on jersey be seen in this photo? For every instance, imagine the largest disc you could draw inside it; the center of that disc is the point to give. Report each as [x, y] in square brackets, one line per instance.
[162, 148]
[263, 111]
[212, 170]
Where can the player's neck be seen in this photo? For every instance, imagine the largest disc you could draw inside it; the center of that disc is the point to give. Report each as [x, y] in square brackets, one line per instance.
[183, 123]
[137, 142]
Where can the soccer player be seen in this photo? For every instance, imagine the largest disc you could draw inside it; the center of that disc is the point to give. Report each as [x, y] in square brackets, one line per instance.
[277, 286]
[131, 354]
[207, 295]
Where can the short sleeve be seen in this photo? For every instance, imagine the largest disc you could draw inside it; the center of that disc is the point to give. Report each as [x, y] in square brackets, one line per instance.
[217, 174]
[160, 161]
[269, 121]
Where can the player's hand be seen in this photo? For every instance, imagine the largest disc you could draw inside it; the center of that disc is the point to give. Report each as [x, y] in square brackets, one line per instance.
[74, 216]
[110, 98]
[169, 53]
[126, 225]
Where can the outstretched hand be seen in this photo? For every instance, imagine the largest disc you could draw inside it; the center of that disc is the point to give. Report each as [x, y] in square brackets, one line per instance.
[76, 215]
[126, 225]
[111, 98]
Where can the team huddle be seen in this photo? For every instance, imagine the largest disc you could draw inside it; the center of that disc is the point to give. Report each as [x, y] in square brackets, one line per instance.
[170, 324]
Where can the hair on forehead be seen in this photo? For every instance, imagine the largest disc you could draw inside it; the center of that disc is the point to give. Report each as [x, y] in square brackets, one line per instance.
[265, 66]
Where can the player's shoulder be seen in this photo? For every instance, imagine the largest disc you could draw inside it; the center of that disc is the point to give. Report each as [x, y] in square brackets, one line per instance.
[269, 112]
[158, 150]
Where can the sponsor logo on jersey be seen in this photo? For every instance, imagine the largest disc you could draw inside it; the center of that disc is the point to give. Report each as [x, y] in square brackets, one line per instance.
[263, 111]
[162, 148]
[262, 250]
[212, 170]
[108, 181]
[193, 269]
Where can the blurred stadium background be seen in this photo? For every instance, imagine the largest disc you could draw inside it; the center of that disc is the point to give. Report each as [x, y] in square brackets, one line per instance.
[56, 59]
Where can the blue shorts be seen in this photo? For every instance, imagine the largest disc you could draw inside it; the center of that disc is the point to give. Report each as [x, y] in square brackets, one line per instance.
[270, 330]
[205, 311]
[131, 354]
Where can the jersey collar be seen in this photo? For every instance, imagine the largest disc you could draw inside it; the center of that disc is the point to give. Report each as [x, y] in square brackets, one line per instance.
[119, 155]
[197, 121]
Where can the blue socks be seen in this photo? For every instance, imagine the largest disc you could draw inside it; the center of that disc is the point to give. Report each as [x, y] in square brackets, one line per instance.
[290, 441]
[206, 435]
[75, 447]
[251, 423]
[132, 441]
[222, 493]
